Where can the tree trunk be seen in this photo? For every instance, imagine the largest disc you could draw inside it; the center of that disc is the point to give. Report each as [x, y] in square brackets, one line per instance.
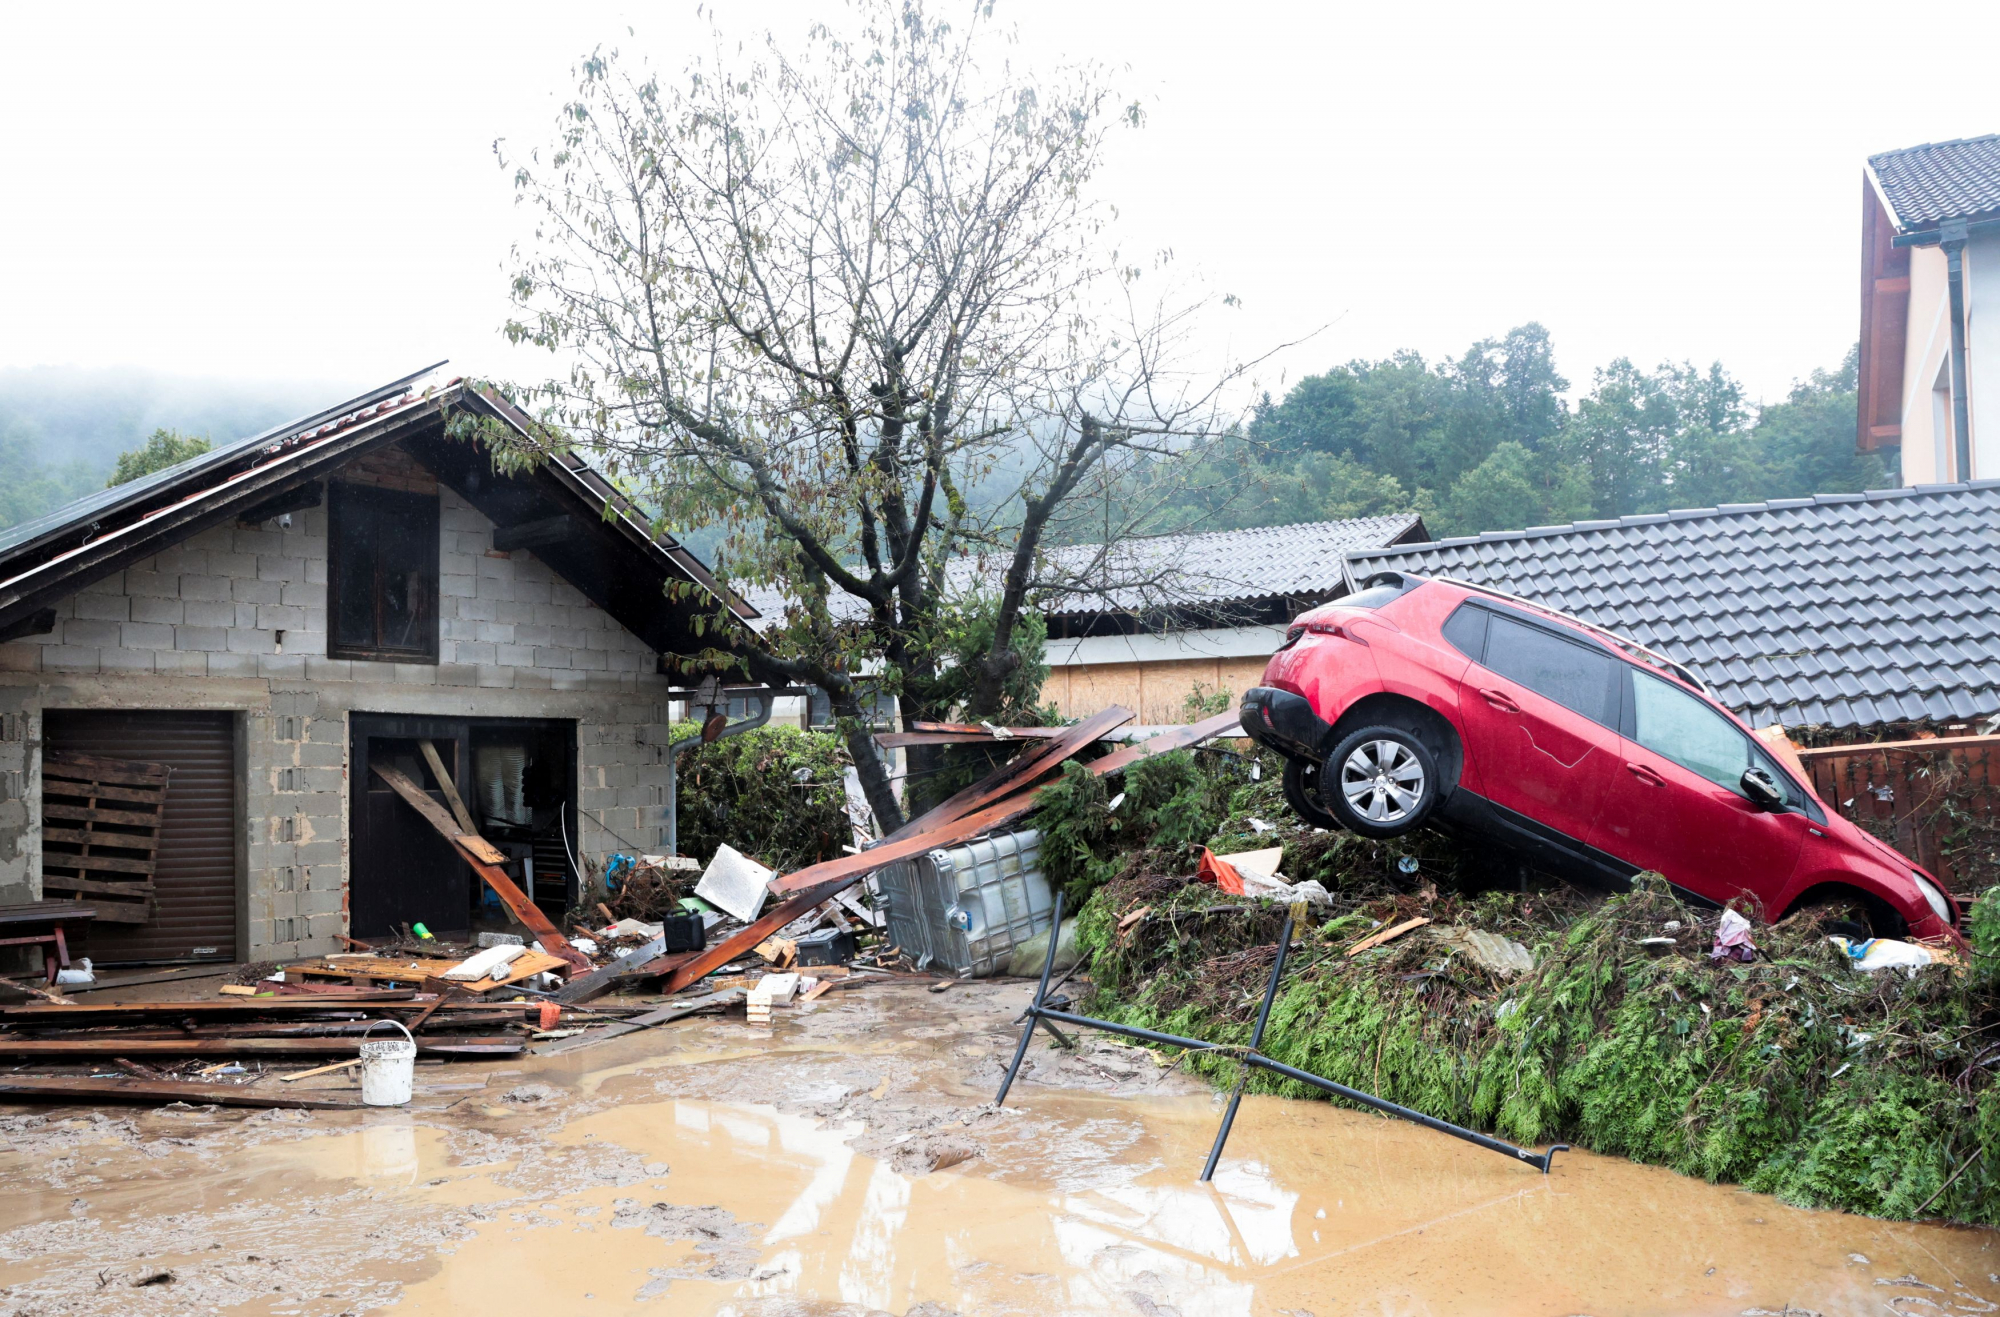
[868, 763]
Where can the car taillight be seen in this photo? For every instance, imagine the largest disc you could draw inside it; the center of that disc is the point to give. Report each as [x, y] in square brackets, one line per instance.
[1291, 638]
[1329, 628]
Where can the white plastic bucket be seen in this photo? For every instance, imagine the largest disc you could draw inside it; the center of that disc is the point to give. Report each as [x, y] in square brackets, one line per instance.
[388, 1068]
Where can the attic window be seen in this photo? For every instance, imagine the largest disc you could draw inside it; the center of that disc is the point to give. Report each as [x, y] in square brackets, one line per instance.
[382, 575]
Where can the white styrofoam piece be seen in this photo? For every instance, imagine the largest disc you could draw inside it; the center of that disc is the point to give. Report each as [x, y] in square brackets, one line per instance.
[484, 964]
[734, 882]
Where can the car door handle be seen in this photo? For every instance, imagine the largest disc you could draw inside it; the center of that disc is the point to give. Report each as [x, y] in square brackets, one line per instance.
[1646, 775]
[1499, 700]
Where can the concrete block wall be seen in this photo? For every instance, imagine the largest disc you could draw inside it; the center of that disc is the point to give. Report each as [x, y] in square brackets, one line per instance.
[236, 618]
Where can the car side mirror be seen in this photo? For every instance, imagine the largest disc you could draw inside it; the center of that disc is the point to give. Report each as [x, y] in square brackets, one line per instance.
[1761, 790]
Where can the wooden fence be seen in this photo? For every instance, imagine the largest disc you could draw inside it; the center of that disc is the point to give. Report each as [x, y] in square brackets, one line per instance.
[1935, 800]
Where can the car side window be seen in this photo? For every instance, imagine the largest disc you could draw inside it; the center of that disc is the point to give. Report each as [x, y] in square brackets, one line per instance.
[1466, 630]
[1675, 725]
[1580, 679]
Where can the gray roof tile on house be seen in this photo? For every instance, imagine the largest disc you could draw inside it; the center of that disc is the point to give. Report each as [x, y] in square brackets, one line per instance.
[1939, 181]
[1837, 610]
[1211, 569]
[1302, 560]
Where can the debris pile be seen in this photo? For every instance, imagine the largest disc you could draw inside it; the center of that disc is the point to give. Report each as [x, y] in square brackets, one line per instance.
[1605, 1021]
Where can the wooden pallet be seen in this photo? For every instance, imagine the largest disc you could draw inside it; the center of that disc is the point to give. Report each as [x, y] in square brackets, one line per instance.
[101, 832]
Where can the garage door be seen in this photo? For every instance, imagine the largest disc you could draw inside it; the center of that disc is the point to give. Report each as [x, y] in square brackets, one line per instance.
[194, 911]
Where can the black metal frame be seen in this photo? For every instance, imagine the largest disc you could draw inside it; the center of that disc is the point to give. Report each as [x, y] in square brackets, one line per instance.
[1040, 1014]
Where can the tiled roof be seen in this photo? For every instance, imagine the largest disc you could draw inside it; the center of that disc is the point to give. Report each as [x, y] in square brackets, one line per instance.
[1844, 610]
[1939, 180]
[1301, 560]
[1304, 560]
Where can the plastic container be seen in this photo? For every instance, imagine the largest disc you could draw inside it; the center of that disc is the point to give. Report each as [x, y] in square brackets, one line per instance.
[964, 910]
[388, 1068]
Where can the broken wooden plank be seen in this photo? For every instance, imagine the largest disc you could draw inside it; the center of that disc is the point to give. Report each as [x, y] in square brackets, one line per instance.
[450, 789]
[1180, 738]
[319, 1070]
[122, 1044]
[589, 987]
[1387, 935]
[1018, 771]
[66, 1088]
[834, 876]
[659, 1015]
[505, 888]
[984, 729]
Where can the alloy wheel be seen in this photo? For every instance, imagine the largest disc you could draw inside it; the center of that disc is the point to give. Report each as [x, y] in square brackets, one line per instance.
[1382, 781]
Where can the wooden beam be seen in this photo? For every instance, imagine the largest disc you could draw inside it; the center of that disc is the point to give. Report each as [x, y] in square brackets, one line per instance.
[119, 1045]
[492, 875]
[34, 624]
[451, 796]
[536, 534]
[835, 876]
[67, 1088]
[1020, 770]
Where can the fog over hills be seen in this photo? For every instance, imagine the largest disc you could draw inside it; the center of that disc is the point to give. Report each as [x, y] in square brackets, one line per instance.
[62, 427]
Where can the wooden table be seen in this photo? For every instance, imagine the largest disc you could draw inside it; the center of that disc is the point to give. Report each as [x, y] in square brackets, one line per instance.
[44, 924]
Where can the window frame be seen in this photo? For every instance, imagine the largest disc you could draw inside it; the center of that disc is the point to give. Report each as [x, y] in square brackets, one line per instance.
[342, 496]
[1798, 798]
[1614, 695]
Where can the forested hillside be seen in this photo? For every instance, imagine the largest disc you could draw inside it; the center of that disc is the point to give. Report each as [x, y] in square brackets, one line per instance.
[1488, 441]
[62, 429]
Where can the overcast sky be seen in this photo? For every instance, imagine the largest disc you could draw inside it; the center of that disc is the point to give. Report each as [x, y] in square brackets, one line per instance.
[289, 191]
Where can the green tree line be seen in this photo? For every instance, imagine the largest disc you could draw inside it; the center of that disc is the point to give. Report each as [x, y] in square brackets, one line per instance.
[1489, 440]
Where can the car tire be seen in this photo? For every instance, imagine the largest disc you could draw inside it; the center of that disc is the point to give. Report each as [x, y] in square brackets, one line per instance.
[1302, 793]
[1379, 782]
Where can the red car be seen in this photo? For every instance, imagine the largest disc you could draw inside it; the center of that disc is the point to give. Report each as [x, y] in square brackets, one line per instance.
[1587, 755]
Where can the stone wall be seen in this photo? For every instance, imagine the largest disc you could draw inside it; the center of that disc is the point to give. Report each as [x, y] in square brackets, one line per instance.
[236, 618]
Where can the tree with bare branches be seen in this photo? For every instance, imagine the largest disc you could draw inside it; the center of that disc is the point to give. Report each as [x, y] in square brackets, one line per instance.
[856, 305]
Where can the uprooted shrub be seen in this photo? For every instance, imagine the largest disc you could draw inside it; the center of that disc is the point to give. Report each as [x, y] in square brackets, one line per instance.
[1172, 803]
[1795, 1075]
[776, 794]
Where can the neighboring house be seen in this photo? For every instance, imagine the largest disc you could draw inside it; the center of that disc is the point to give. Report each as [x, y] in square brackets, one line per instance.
[1841, 617]
[276, 618]
[1180, 615]
[1930, 309]
[1171, 616]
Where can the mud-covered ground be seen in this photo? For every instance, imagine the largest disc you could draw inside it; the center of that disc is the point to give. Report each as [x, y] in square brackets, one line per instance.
[848, 1161]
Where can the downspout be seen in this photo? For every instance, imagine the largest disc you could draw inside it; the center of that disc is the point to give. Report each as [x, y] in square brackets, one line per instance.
[766, 701]
[1952, 239]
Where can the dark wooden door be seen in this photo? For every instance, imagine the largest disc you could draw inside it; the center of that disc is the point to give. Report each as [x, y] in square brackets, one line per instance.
[400, 870]
[195, 878]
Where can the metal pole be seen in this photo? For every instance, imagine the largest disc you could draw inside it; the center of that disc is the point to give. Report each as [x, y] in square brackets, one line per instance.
[1256, 1041]
[1035, 1006]
[1539, 1160]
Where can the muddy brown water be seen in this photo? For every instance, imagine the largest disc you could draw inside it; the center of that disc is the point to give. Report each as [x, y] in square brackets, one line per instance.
[845, 1162]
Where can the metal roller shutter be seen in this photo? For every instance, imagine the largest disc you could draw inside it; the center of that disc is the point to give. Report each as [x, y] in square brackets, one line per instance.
[194, 915]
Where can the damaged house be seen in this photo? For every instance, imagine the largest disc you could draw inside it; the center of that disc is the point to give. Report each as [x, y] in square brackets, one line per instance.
[270, 621]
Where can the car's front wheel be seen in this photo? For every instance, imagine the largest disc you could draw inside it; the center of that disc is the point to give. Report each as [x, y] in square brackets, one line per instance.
[1302, 793]
[1379, 782]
